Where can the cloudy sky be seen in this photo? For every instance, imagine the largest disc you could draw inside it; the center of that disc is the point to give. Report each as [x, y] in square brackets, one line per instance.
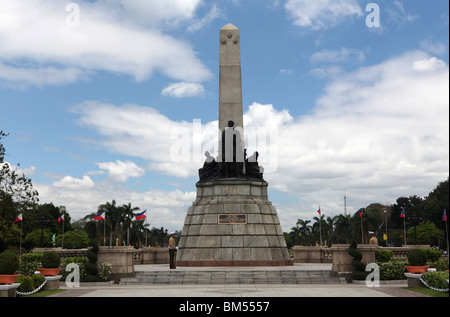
[118, 99]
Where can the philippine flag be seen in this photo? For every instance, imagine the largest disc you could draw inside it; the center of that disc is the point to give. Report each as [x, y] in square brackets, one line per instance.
[18, 218]
[61, 218]
[360, 213]
[100, 216]
[319, 211]
[141, 215]
[444, 215]
[402, 215]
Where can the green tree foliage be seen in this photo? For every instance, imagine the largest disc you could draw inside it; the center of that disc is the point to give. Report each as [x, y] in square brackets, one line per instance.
[424, 233]
[2, 148]
[423, 222]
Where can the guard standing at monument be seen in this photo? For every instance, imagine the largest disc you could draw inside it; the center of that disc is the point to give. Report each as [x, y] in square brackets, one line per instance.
[373, 240]
[172, 251]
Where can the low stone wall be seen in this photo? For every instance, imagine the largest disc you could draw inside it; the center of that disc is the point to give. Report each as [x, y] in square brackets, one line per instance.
[341, 260]
[122, 259]
[63, 253]
[310, 254]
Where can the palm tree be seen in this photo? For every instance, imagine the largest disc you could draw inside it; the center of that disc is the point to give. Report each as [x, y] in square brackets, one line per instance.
[112, 217]
[319, 227]
[304, 229]
[342, 229]
[330, 229]
[93, 228]
[295, 235]
[126, 217]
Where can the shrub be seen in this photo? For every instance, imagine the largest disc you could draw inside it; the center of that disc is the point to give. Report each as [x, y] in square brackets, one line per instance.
[50, 260]
[441, 264]
[38, 279]
[392, 270]
[359, 273]
[436, 279]
[9, 263]
[77, 260]
[29, 263]
[417, 257]
[91, 256]
[432, 255]
[91, 269]
[382, 256]
[104, 270]
[26, 284]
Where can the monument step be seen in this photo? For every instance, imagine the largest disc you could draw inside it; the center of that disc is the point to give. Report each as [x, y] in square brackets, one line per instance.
[233, 277]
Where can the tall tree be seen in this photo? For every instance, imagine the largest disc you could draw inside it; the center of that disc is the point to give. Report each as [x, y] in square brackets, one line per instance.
[2, 148]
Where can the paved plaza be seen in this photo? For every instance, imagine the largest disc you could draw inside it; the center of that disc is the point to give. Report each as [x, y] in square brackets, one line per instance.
[241, 290]
[266, 290]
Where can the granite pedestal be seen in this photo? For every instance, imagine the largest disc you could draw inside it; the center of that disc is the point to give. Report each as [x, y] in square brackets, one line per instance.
[232, 223]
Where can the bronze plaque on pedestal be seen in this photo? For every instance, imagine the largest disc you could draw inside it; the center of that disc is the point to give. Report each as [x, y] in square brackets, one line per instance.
[231, 219]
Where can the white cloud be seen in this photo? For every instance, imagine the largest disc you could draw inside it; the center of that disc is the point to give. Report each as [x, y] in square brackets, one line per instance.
[322, 14]
[71, 183]
[22, 77]
[183, 90]
[206, 20]
[371, 128]
[376, 133]
[121, 171]
[154, 12]
[398, 14]
[437, 48]
[338, 56]
[165, 208]
[35, 33]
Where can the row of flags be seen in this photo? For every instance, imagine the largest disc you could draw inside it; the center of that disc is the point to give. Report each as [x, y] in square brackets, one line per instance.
[102, 215]
[402, 215]
[99, 216]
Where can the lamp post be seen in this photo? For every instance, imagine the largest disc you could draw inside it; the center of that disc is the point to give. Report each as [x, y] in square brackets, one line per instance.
[42, 222]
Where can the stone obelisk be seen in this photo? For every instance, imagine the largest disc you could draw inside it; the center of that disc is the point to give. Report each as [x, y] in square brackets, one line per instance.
[230, 87]
[231, 222]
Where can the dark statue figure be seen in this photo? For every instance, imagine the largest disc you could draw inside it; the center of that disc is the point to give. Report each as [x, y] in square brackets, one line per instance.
[233, 161]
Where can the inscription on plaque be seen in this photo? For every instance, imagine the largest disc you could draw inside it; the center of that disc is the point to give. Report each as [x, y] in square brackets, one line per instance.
[232, 219]
[229, 190]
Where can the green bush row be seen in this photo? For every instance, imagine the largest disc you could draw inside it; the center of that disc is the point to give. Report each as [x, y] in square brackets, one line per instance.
[437, 280]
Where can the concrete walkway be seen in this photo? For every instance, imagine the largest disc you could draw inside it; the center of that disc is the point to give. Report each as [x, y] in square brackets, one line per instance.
[241, 290]
[238, 290]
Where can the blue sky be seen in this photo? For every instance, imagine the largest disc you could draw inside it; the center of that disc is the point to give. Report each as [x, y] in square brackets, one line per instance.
[91, 97]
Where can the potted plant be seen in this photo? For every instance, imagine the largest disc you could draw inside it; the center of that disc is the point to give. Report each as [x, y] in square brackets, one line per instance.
[417, 260]
[9, 263]
[50, 264]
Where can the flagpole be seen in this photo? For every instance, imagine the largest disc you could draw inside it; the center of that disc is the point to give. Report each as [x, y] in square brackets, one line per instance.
[63, 220]
[362, 233]
[104, 231]
[320, 225]
[404, 227]
[446, 229]
[20, 247]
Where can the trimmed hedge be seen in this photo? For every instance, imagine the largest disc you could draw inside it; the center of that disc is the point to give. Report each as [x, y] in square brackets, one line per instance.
[9, 263]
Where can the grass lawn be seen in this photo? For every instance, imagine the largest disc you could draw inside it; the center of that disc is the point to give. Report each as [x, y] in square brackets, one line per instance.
[427, 291]
[46, 293]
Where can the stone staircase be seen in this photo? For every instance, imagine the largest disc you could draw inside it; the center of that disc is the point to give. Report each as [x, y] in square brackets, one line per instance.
[236, 276]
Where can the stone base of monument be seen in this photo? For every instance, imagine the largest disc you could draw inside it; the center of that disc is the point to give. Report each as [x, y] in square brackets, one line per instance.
[232, 223]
